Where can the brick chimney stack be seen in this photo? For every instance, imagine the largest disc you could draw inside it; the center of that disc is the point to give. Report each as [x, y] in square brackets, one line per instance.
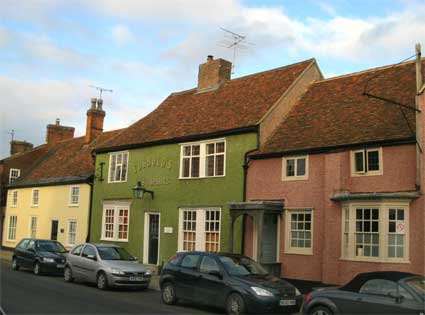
[19, 146]
[213, 73]
[95, 117]
[56, 133]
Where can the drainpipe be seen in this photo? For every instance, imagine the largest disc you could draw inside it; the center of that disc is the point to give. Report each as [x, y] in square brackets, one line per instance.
[90, 209]
[418, 88]
[245, 173]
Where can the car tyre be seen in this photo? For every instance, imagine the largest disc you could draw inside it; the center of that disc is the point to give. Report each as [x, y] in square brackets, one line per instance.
[15, 265]
[168, 293]
[320, 310]
[67, 275]
[235, 304]
[37, 269]
[102, 281]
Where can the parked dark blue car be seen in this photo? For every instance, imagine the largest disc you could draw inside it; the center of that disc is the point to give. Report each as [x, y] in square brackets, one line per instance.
[233, 282]
[41, 256]
[386, 292]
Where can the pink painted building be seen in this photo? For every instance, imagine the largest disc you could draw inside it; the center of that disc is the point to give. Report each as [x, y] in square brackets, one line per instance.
[337, 189]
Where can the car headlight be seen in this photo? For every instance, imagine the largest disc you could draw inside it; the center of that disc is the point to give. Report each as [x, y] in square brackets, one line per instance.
[117, 271]
[297, 292]
[261, 291]
[148, 273]
[48, 260]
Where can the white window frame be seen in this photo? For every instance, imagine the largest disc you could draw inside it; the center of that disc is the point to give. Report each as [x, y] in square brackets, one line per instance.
[14, 198]
[383, 206]
[200, 231]
[288, 220]
[11, 172]
[12, 229]
[295, 176]
[116, 206]
[365, 172]
[33, 195]
[69, 232]
[71, 190]
[116, 154]
[33, 226]
[202, 158]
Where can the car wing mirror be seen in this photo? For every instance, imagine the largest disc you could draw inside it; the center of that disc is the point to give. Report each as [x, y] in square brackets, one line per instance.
[91, 257]
[397, 297]
[216, 273]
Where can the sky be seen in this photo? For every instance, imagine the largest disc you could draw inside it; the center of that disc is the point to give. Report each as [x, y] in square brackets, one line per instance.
[52, 50]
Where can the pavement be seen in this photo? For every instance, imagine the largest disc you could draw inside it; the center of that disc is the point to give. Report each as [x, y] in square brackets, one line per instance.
[22, 292]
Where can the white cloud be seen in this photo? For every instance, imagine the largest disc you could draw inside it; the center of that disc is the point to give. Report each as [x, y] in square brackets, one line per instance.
[122, 35]
[4, 37]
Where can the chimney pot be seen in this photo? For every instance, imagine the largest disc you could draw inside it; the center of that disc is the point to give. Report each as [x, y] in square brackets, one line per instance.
[99, 104]
[93, 102]
[210, 58]
[58, 121]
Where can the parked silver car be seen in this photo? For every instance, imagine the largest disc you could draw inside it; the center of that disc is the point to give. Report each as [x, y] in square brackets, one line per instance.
[105, 265]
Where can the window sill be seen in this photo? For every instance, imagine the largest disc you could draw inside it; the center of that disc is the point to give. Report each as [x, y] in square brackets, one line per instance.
[375, 173]
[204, 177]
[117, 182]
[74, 206]
[113, 240]
[299, 252]
[34, 206]
[294, 178]
[380, 261]
[13, 206]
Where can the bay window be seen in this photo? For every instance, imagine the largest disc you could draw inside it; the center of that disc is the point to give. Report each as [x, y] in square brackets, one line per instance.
[375, 232]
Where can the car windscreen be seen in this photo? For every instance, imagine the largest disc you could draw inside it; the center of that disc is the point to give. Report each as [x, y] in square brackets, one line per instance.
[417, 284]
[50, 246]
[113, 253]
[242, 266]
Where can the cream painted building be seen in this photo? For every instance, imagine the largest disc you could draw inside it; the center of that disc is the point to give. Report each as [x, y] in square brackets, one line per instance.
[48, 212]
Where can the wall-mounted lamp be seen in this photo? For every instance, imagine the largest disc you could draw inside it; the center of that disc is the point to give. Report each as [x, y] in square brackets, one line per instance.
[139, 191]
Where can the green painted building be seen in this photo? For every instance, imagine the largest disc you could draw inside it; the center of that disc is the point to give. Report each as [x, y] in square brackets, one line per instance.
[189, 157]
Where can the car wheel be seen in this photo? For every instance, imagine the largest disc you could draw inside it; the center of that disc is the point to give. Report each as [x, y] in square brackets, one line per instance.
[67, 275]
[15, 265]
[320, 310]
[102, 281]
[168, 293]
[37, 269]
[235, 304]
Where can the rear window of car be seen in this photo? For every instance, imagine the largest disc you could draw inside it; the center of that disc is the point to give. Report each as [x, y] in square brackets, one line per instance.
[418, 284]
[190, 261]
[175, 260]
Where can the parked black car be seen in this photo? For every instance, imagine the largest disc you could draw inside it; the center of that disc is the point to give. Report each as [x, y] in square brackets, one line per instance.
[385, 292]
[42, 256]
[234, 282]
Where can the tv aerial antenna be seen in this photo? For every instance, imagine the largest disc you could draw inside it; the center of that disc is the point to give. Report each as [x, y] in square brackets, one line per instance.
[234, 41]
[11, 133]
[101, 90]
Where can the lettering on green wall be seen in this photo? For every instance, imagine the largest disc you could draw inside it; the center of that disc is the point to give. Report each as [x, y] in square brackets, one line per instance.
[152, 163]
[155, 182]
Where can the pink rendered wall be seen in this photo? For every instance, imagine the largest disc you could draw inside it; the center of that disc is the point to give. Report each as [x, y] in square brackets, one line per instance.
[330, 173]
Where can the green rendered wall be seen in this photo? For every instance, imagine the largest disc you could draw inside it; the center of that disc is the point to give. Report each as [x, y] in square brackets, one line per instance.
[158, 169]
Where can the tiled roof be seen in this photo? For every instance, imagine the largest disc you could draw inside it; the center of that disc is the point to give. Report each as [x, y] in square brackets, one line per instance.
[334, 112]
[237, 103]
[67, 160]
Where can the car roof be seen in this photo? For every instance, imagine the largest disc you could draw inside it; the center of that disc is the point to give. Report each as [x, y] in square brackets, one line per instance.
[212, 254]
[356, 283]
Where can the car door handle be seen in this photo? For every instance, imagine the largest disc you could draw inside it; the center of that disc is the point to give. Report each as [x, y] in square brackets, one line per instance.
[359, 299]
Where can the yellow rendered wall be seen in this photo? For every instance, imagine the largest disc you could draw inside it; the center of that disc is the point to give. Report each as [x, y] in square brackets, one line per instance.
[54, 204]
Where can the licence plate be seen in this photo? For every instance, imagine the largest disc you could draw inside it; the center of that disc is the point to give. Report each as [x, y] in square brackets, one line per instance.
[287, 302]
[136, 278]
[60, 266]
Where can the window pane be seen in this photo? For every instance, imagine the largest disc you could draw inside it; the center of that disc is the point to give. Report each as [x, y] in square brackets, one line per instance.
[373, 160]
[195, 167]
[290, 168]
[301, 167]
[186, 167]
[210, 148]
[186, 150]
[220, 147]
[359, 161]
[210, 165]
[219, 165]
[195, 149]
